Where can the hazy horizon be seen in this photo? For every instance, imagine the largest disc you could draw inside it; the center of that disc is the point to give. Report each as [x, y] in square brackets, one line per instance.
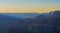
[28, 6]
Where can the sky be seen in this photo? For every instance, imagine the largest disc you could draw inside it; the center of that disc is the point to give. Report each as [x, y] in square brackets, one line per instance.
[27, 6]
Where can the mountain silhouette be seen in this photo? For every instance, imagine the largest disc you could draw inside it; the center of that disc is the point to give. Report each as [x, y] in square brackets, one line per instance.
[30, 23]
[7, 21]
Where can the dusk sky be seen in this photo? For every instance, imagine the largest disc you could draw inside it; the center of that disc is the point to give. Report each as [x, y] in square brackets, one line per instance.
[22, 6]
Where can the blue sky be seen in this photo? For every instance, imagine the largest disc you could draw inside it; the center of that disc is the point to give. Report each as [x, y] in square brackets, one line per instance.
[29, 4]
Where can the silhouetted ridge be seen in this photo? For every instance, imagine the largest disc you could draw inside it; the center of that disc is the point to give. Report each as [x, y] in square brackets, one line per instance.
[42, 23]
[7, 22]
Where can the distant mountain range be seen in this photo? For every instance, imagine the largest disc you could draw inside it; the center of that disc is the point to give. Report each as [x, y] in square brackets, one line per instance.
[7, 19]
[28, 22]
[22, 15]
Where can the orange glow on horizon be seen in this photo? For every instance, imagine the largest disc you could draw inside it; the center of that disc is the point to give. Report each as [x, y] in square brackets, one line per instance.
[18, 10]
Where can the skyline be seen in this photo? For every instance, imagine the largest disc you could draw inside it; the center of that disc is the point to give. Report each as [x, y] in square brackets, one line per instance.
[27, 6]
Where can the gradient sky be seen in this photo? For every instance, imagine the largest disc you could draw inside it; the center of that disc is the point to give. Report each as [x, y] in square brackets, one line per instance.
[21, 6]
